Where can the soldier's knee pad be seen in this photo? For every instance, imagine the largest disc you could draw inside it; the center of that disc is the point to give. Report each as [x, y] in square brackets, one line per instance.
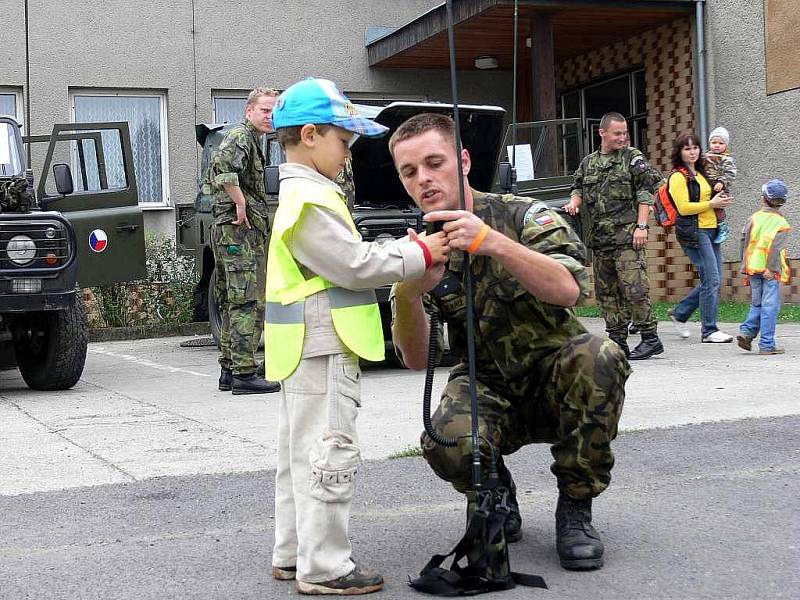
[334, 464]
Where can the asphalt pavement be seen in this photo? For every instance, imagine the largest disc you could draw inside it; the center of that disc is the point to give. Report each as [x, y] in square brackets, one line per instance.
[145, 482]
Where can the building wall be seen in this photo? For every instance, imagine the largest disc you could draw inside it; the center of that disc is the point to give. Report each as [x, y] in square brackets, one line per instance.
[765, 129]
[187, 48]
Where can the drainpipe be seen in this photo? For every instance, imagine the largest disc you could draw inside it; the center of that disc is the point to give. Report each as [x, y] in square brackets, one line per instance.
[701, 69]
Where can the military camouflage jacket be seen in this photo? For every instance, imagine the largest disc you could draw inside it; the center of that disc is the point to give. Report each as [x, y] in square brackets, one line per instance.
[346, 183]
[239, 161]
[612, 187]
[514, 331]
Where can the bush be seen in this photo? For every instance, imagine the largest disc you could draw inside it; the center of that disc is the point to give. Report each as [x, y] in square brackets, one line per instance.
[164, 297]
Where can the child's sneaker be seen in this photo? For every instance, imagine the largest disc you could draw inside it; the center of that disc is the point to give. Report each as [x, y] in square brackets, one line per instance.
[744, 342]
[680, 326]
[723, 232]
[284, 573]
[358, 581]
[771, 351]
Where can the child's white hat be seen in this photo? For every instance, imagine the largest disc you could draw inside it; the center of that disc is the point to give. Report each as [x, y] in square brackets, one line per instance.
[721, 133]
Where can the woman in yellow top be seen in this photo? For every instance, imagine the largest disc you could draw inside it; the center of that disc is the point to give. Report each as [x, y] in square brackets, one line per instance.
[696, 229]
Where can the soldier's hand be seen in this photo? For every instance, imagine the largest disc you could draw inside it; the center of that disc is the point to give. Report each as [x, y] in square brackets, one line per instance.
[429, 280]
[573, 207]
[639, 238]
[463, 228]
[241, 216]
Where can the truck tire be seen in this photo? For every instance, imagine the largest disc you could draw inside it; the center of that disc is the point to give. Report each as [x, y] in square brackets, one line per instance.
[214, 313]
[51, 346]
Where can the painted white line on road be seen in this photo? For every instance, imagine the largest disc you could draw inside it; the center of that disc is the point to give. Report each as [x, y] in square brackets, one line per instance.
[147, 363]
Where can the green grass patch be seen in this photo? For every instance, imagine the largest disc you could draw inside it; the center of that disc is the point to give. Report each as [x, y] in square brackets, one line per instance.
[729, 312]
[408, 451]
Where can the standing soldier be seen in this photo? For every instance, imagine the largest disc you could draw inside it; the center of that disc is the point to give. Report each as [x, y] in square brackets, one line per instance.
[239, 242]
[616, 186]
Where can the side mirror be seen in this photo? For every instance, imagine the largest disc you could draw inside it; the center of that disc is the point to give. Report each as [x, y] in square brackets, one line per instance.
[506, 177]
[63, 179]
[271, 180]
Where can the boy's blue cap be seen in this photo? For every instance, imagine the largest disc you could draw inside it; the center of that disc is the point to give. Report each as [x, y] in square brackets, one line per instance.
[775, 191]
[318, 101]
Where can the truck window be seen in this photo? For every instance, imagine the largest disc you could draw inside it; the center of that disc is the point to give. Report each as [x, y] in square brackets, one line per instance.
[95, 159]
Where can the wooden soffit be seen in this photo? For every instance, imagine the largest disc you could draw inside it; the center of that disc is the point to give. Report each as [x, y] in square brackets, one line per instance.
[485, 28]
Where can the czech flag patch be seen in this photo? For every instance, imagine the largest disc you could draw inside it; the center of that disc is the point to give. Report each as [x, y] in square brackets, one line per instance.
[98, 240]
[544, 220]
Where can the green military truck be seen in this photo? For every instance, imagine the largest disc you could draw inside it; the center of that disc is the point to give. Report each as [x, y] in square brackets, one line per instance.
[382, 210]
[58, 235]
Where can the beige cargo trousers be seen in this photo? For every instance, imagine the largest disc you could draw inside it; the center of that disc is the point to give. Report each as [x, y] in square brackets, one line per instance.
[318, 458]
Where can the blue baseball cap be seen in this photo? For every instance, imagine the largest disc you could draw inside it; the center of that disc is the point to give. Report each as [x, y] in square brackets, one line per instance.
[775, 191]
[318, 101]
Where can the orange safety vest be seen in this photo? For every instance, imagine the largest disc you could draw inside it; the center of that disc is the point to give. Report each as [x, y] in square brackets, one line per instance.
[764, 226]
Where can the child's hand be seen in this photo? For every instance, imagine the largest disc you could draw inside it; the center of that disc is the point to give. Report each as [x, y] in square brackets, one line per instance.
[719, 186]
[746, 281]
[768, 275]
[437, 244]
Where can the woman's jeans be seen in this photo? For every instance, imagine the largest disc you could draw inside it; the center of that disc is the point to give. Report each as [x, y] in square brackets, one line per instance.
[707, 259]
[764, 309]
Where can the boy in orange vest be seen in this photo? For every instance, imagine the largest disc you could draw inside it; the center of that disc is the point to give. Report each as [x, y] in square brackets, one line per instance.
[765, 267]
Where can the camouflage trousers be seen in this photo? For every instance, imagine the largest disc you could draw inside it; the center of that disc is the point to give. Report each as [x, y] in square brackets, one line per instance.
[622, 290]
[576, 409]
[240, 255]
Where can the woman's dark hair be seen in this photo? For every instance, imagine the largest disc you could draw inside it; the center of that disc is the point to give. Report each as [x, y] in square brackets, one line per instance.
[687, 138]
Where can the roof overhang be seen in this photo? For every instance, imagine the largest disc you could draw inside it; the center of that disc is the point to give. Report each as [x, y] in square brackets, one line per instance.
[485, 28]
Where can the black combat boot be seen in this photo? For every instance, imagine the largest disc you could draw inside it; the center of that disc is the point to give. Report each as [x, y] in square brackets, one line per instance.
[513, 524]
[578, 544]
[225, 380]
[253, 384]
[649, 346]
[621, 342]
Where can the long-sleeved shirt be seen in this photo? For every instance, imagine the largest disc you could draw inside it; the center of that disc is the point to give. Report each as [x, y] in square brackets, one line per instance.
[323, 243]
[679, 191]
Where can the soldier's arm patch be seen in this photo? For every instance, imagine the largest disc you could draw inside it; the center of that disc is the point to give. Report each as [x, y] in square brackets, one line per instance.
[531, 213]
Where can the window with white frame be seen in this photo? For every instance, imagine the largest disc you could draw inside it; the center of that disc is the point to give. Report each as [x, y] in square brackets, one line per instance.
[145, 113]
[11, 102]
[228, 107]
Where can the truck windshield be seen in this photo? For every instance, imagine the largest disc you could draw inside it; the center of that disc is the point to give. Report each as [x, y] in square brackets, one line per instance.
[10, 150]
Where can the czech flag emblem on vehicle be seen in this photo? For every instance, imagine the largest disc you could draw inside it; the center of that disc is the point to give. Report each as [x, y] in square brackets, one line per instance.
[98, 240]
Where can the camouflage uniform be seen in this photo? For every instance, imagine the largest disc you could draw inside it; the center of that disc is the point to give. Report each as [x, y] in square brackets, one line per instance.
[612, 187]
[240, 253]
[345, 181]
[540, 376]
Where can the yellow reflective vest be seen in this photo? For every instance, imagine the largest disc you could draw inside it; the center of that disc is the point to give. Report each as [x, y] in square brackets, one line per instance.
[764, 226]
[355, 314]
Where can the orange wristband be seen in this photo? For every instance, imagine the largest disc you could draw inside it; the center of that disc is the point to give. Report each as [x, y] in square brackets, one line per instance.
[476, 243]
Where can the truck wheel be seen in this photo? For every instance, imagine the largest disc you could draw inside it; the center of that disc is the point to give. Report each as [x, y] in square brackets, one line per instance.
[214, 313]
[51, 347]
[200, 301]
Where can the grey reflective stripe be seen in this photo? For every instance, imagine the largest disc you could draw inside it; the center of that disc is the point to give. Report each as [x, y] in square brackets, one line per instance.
[342, 298]
[279, 314]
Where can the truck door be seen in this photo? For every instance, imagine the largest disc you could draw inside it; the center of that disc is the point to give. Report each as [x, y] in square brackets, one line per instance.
[103, 206]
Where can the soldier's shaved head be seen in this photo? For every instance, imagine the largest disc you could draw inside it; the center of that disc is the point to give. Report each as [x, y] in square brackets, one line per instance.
[611, 117]
[423, 123]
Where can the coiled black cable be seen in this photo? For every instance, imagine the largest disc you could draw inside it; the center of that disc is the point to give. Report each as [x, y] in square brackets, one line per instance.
[433, 346]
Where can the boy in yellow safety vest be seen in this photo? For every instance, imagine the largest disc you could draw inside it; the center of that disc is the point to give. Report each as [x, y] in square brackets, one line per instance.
[321, 316]
[765, 267]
